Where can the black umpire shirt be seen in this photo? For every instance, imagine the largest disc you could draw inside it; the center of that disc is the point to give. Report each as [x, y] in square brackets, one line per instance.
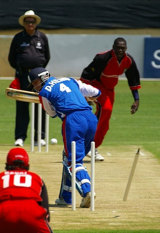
[27, 52]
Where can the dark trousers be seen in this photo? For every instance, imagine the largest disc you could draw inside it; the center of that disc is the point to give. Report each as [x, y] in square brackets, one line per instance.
[22, 121]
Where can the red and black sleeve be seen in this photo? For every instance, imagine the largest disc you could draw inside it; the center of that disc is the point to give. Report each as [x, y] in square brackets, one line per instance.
[133, 75]
[45, 202]
[94, 69]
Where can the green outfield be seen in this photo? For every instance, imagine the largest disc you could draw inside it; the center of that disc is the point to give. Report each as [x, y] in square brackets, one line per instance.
[140, 214]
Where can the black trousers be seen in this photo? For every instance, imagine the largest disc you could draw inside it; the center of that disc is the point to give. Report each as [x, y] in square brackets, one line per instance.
[22, 111]
[23, 118]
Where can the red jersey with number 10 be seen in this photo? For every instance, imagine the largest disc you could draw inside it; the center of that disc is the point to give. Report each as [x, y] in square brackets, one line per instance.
[16, 185]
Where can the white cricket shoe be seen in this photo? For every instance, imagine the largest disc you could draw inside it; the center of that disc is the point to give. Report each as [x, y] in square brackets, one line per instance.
[61, 201]
[43, 143]
[19, 142]
[98, 157]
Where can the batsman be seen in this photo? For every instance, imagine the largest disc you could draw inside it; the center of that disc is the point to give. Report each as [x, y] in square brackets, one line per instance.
[65, 98]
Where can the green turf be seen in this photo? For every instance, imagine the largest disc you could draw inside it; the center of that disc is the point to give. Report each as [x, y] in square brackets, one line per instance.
[141, 129]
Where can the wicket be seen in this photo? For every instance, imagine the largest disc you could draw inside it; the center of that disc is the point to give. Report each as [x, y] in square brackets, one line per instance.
[73, 147]
[39, 127]
[131, 175]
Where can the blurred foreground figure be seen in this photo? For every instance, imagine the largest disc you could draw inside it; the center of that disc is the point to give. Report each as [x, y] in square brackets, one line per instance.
[23, 197]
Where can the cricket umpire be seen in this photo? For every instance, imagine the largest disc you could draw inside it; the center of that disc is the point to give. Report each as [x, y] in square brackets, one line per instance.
[29, 49]
[23, 197]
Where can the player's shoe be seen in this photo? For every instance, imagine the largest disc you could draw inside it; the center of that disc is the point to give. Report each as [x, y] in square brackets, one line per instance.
[86, 201]
[61, 202]
[43, 143]
[98, 156]
[19, 142]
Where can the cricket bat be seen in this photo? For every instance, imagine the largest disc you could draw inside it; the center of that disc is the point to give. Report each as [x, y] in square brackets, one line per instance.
[21, 95]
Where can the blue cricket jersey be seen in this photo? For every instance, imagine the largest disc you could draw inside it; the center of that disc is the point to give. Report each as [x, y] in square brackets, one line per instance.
[64, 95]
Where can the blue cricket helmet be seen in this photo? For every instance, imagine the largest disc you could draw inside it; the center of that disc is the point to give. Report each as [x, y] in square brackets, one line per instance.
[38, 72]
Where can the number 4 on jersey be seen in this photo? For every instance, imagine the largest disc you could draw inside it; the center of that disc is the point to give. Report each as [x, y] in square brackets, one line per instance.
[63, 88]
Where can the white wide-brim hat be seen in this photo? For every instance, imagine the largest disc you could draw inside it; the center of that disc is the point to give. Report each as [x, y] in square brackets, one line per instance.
[29, 13]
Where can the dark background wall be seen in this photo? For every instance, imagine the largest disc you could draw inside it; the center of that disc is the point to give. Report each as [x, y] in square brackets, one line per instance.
[102, 14]
[63, 19]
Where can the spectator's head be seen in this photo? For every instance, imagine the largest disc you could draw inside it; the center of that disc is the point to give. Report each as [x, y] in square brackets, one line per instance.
[120, 47]
[37, 77]
[17, 159]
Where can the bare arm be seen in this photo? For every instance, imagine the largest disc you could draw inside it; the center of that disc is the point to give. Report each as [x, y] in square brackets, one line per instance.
[48, 107]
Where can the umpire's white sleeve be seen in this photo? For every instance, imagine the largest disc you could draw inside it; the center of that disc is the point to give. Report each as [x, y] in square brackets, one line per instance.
[88, 90]
[48, 107]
